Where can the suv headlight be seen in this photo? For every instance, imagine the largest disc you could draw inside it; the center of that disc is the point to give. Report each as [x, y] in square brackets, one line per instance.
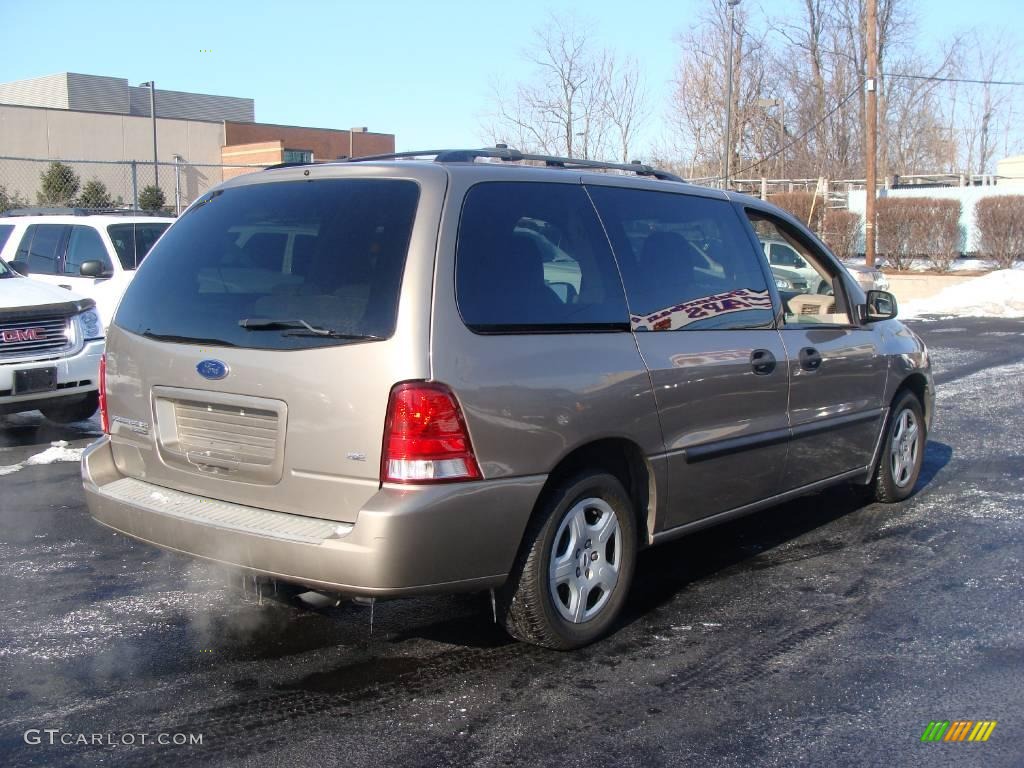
[783, 283]
[90, 324]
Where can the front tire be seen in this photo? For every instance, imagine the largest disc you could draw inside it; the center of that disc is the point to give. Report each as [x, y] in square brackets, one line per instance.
[899, 464]
[575, 566]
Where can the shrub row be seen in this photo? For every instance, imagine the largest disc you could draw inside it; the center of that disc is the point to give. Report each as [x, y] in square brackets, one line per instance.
[913, 228]
[839, 229]
[1000, 222]
[60, 186]
[917, 229]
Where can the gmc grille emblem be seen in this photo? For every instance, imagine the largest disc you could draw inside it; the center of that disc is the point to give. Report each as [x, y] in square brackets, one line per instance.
[23, 334]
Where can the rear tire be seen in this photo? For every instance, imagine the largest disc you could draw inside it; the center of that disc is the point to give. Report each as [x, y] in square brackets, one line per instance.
[68, 414]
[575, 566]
[902, 456]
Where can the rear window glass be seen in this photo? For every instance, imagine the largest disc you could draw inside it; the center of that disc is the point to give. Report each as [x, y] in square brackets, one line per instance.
[322, 259]
[5, 232]
[532, 256]
[133, 241]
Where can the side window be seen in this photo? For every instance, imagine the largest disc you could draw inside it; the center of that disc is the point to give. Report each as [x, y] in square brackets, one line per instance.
[532, 256]
[39, 247]
[686, 260]
[5, 232]
[84, 245]
[804, 278]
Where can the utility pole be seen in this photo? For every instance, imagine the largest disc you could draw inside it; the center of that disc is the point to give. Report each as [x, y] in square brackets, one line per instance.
[727, 148]
[152, 117]
[871, 131]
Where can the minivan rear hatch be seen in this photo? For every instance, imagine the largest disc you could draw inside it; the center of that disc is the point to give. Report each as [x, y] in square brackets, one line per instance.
[252, 356]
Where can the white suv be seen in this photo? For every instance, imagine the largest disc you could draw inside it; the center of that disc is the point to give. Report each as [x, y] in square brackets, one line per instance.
[51, 342]
[93, 254]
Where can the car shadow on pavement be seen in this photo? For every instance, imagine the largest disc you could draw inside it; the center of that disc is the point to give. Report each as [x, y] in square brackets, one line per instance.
[664, 571]
[936, 456]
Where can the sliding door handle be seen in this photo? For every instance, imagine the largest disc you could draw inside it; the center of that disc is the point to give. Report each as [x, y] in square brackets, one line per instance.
[762, 361]
[810, 359]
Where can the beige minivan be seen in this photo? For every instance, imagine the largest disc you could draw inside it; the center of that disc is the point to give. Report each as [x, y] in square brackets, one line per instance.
[487, 371]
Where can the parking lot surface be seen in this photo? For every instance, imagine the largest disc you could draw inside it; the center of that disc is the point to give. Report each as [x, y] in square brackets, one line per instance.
[819, 632]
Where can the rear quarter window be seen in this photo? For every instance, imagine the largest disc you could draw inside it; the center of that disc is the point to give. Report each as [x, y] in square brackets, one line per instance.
[532, 257]
[132, 241]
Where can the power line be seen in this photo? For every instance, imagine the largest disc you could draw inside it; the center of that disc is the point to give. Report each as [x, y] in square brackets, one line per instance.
[803, 135]
[843, 103]
[937, 79]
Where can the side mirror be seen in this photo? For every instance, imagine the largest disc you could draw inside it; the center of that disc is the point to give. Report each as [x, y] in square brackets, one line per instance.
[881, 305]
[92, 268]
[20, 267]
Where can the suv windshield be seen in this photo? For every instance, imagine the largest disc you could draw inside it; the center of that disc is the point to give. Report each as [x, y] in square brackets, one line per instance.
[133, 241]
[5, 271]
[330, 252]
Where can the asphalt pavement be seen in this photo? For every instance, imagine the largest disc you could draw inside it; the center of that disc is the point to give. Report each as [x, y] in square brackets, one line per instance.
[819, 632]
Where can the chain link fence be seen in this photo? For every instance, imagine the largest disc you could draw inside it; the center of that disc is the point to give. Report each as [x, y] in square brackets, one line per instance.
[99, 185]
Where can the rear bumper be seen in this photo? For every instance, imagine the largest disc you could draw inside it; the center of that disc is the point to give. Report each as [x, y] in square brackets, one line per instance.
[77, 375]
[441, 538]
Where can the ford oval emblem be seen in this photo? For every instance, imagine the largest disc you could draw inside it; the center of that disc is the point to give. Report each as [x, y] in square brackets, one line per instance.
[212, 369]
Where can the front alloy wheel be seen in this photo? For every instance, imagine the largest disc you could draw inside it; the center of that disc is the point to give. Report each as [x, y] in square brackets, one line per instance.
[904, 448]
[903, 451]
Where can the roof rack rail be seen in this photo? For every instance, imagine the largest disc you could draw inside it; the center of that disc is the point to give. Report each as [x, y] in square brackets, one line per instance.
[507, 154]
[287, 165]
[45, 211]
[70, 211]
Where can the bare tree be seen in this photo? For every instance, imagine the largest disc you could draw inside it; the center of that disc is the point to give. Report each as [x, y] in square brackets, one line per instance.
[798, 95]
[698, 103]
[984, 110]
[581, 101]
[624, 103]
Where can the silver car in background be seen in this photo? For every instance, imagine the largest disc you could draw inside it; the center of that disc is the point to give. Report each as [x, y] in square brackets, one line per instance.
[392, 377]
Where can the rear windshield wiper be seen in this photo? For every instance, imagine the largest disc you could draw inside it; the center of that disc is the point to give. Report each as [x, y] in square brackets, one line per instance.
[186, 339]
[302, 328]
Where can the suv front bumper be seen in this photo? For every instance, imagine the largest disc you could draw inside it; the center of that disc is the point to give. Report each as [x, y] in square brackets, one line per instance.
[406, 540]
[77, 374]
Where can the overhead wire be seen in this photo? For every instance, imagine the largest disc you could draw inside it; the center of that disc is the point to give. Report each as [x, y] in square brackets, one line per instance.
[803, 135]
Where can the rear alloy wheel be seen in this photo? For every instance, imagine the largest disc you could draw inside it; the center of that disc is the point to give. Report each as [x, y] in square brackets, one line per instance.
[576, 565]
[79, 411]
[903, 451]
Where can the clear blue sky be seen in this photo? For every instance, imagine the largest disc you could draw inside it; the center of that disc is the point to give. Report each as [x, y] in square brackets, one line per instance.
[417, 69]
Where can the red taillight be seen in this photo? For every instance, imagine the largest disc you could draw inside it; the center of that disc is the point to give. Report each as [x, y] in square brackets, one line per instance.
[425, 438]
[104, 417]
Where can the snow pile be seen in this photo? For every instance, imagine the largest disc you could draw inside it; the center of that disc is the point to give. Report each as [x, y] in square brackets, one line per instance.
[997, 294]
[58, 451]
[961, 265]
